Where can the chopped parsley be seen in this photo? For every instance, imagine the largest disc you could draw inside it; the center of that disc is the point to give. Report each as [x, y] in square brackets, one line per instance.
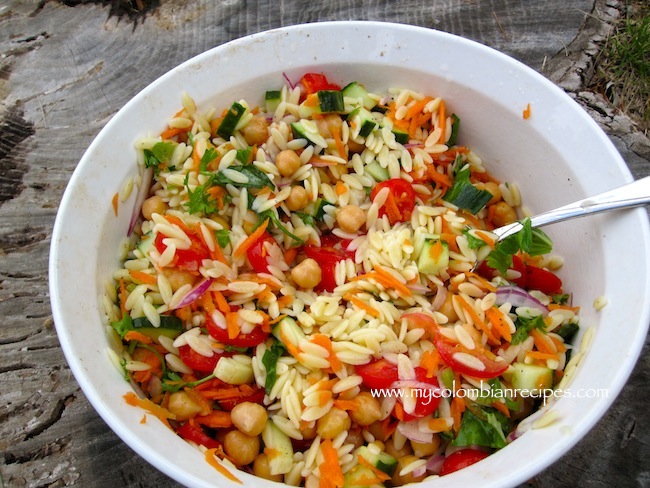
[525, 326]
[531, 241]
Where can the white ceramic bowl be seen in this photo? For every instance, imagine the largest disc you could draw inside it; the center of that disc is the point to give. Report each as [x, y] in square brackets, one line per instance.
[556, 156]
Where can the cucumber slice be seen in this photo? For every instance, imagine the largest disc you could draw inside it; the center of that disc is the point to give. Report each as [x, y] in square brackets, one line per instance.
[170, 326]
[358, 477]
[229, 122]
[401, 136]
[434, 257]
[455, 125]
[358, 91]
[381, 460]
[278, 448]
[272, 99]
[375, 170]
[146, 244]
[287, 330]
[235, 370]
[363, 120]
[529, 377]
[302, 131]
[330, 101]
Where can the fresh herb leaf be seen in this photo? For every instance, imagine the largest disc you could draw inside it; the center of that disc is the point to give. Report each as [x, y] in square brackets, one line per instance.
[455, 126]
[229, 348]
[256, 177]
[200, 200]
[270, 214]
[567, 331]
[123, 326]
[223, 237]
[270, 361]
[243, 155]
[161, 152]
[465, 195]
[306, 218]
[540, 243]
[209, 155]
[173, 382]
[561, 298]
[525, 326]
[472, 241]
[488, 432]
[319, 213]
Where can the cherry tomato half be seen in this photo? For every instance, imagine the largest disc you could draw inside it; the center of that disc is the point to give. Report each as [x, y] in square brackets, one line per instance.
[326, 257]
[400, 201]
[252, 339]
[186, 259]
[379, 374]
[196, 434]
[426, 402]
[447, 350]
[542, 280]
[257, 253]
[313, 82]
[199, 362]
[461, 459]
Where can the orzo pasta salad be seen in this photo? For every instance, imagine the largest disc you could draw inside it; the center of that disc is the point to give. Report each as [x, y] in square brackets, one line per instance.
[300, 296]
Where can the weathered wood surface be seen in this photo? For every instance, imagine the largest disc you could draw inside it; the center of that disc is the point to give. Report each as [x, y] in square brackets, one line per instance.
[67, 66]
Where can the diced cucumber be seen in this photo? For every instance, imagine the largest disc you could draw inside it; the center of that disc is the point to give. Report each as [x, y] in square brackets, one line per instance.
[359, 476]
[170, 326]
[382, 460]
[272, 100]
[362, 119]
[358, 91]
[301, 131]
[278, 448]
[455, 125]
[235, 370]
[434, 256]
[230, 121]
[378, 172]
[287, 330]
[146, 244]
[529, 377]
[330, 101]
[400, 136]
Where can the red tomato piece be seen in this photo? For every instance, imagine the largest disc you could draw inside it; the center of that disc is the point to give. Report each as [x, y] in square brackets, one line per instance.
[426, 402]
[255, 337]
[461, 459]
[421, 321]
[542, 280]
[256, 397]
[313, 82]
[379, 374]
[517, 264]
[257, 253]
[196, 434]
[326, 257]
[199, 362]
[400, 201]
[186, 259]
[446, 349]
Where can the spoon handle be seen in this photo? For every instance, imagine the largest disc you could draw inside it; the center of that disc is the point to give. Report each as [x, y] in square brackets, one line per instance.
[633, 194]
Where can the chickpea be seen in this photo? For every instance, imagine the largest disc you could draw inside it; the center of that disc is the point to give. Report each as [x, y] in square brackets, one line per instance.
[307, 274]
[249, 221]
[152, 205]
[377, 431]
[405, 450]
[492, 188]
[262, 469]
[447, 308]
[308, 430]
[355, 147]
[421, 450]
[333, 423]
[355, 438]
[368, 411]
[409, 477]
[181, 405]
[503, 214]
[297, 199]
[256, 132]
[350, 218]
[178, 278]
[242, 448]
[287, 162]
[250, 418]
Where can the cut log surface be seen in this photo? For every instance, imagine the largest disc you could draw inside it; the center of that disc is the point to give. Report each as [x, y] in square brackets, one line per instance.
[66, 67]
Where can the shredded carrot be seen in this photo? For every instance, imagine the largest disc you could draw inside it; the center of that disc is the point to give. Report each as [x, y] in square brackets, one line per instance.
[199, 399]
[442, 122]
[435, 251]
[143, 277]
[284, 301]
[430, 362]
[172, 219]
[556, 306]
[331, 473]
[115, 201]
[220, 300]
[290, 255]
[477, 320]
[378, 472]
[541, 355]
[501, 407]
[325, 342]
[336, 134]
[485, 237]
[171, 132]
[346, 404]
[457, 409]
[495, 316]
[438, 425]
[559, 345]
[232, 323]
[311, 100]
[196, 160]
[362, 305]
[134, 335]
[542, 342]
[293, 350]
[250, 240]
[122, 285]
[215, 420]
[483, 283]
[392, 281]
[340, 188]
[143, 420]
[212, 460]
[392, 210]
[441, 179]
[387, 428]
[156, 410]
[450, 239]
[526, 113]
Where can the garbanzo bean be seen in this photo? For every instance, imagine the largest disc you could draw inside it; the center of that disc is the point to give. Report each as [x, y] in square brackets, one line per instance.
[307, 274]
[181, 405]
[297, 199]
[333, 423]
[249, 417]
[405, 450]
[262, 469]
[287, 162]
[447, 308]
[368, 409]
[153, 205]
[402, 462]
[492, 188]
[242, 448]
[350, 218]
[256, 132]
[427, 449]
[178, 278]
[503, 214]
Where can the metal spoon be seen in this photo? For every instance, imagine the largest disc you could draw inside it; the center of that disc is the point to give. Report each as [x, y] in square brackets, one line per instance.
[635, 194]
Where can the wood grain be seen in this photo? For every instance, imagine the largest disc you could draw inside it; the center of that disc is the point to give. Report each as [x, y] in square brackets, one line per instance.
[67, 67]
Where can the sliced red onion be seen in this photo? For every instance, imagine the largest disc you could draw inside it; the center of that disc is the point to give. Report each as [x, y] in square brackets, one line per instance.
[411, 430]
[195, 293]
[518, 297]
[143, 192]
[292, 85]
[434, 463]
[413, 145]
[441, 296]
[420, 471]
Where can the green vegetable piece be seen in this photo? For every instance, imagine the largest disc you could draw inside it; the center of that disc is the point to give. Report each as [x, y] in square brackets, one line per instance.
[474, 431]
[223, 237]
[256, 177]
[272, 99]
[230, 121]
[331, 101]
[568, 331]
[465, 195]
[455, 126]
[525, 326]
[270, 360]
[123, 326]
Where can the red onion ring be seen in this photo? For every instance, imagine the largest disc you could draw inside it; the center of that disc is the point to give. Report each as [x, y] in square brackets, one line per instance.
[411, 430]
[519, 297]
[143, 192]
[195, 293]
[434, 463]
